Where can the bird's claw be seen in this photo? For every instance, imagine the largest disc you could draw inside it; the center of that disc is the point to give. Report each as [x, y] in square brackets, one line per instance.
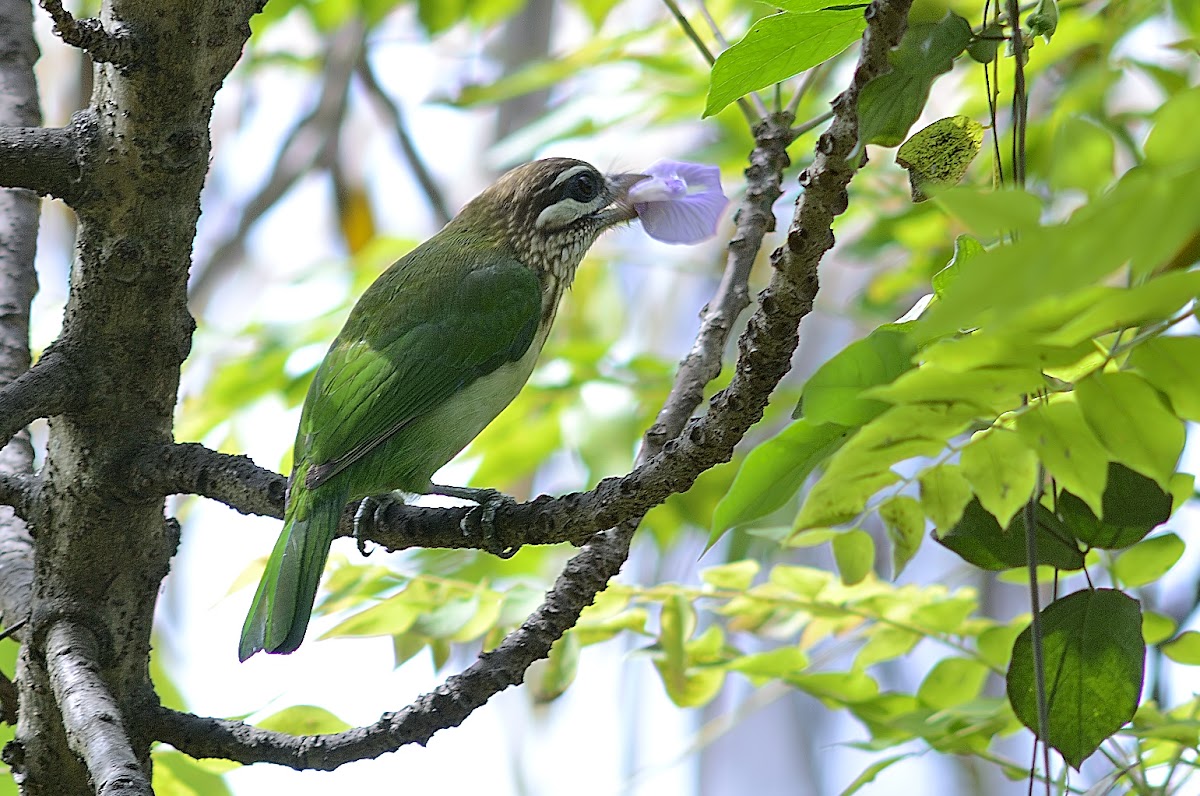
[483, 517]
[365, 522]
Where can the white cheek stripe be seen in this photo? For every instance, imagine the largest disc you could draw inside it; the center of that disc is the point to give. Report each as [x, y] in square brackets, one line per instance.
[564, 212]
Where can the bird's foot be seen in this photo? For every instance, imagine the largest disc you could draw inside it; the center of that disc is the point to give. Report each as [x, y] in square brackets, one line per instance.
[482, 516]
[365, 522]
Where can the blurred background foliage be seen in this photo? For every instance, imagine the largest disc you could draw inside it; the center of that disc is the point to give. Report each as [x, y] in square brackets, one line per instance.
[349, 132]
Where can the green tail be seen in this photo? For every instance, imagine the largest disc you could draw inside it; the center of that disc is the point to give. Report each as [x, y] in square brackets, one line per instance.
[283, 603]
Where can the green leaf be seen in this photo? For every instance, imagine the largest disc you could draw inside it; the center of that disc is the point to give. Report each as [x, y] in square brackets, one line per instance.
[1094, 660]
[861, 467]
[872, 771]
[1002, 470]
[1157, 627]
[1112, 309]
[990, 213]
[938, 156]
[978, 539]
[1067, 447]
[886, 643]
[778, 47]
[944, 494]
[774, 472]
[1129, 417]
[1148, 560]
[549, 678]
[734, 576]
[1133, 505]
[1184, 648]
[833, 394]
[854, 552]
[1083, 156]
[304, 720]
[687, 685]
[176, 774]
[1172, 365]
[1172, 138]
[952, 682]
[890, 104]
[994, 390]
[393, 616]
[837, 689]
[1009, 284]
[996, 643]
[1043, 20]
[965, 247]
[905, 524]
[776, 664]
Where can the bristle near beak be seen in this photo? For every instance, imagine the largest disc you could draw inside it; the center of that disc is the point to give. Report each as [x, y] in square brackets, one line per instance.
[620, 209]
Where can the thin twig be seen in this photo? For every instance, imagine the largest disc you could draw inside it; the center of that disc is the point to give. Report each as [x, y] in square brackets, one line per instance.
[810, 79]
[313, 141]
[811, 124]
[90, 714]
[391, 109]
[89, 35]
[711, 59]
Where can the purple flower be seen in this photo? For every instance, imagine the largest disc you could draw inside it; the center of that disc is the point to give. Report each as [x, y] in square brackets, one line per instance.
[681, 202]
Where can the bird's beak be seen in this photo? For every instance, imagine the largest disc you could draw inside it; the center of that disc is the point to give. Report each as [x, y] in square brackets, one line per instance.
[620, 209]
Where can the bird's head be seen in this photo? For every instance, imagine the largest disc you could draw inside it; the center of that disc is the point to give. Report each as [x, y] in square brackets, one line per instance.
[550, 211]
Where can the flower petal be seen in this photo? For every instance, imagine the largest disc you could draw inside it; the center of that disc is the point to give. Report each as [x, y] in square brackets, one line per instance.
[681, 202]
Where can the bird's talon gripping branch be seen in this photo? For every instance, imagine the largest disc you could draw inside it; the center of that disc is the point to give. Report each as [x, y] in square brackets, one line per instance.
[365, 523]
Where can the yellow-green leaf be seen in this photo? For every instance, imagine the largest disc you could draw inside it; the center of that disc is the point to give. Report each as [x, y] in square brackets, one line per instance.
[938, 156]
[905, 524]
[854, 552]
[1065, 444]
[945, 492]
[1129, 418]
[1002, 470]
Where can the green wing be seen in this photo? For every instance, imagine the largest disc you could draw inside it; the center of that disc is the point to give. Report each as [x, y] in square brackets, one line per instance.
[434, 322]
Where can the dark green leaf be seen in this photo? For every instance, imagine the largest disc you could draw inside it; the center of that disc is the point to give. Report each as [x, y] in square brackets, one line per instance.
[1094, 659]
[891, 103]
[978, 539]
[1133, 505]
[778, 47]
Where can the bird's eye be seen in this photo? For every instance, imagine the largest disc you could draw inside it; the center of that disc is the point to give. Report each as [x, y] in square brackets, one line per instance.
[583, 187]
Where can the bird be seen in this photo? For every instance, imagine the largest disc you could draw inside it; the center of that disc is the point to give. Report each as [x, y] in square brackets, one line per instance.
[430, 354]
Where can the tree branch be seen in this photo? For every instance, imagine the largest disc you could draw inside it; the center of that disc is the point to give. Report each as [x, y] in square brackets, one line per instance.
[89, 35]
[51, 387]
[43, 159]
[192, 469]
[93, 721]
[765, 353]
[16, 491]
